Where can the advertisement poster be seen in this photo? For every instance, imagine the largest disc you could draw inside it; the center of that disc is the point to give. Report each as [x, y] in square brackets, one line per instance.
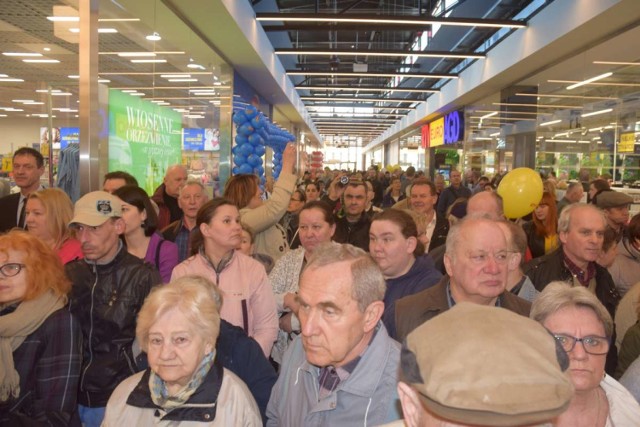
[144, 138]
[198, 139]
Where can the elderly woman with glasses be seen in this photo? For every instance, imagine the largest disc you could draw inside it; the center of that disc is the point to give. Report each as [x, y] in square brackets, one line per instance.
[40, 351]
[185, 384]
[583, 327]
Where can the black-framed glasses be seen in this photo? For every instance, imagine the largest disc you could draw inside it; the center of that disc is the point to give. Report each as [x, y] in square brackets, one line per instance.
[592, 344]
[11, 269]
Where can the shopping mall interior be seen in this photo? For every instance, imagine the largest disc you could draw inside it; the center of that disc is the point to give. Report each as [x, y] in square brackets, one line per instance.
[552, 85]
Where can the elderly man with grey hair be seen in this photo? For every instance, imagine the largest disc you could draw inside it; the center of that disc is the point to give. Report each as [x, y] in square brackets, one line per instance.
[581, 232]
[166, 195]
[476, 259]
[342, 368]
[191, 197]
[573, 194]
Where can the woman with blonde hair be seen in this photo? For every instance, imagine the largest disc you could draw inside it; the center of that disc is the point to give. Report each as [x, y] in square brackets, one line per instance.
[186, 383]
[47, 215]
[583, 327]
[40, 341]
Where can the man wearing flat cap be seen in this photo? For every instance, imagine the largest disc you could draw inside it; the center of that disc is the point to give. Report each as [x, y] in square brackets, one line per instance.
[581, 230]
[482, 366]
[616, 208]
[477, 261]
[108, 288]
[342, 368]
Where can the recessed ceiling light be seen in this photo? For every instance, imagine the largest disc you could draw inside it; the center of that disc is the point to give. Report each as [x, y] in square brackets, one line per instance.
[155, 37]
[552, 122]
[137, 94]
[73, 76]
[176, 76]
[183, 80]
[63, 18]
[587, 81]
[74, 30]
[41, 61]
[61, 94]
[22, 54]
[196, 66]
[107, 30]
[104, 81]
[595, 113]
[10, 79]
[46, 49]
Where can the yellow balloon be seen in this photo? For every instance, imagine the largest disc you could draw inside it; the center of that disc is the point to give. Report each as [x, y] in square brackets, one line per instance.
[521, 191]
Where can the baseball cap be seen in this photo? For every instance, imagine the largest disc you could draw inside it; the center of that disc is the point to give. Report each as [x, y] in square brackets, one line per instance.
[613, 199]
[94, 208]
[487, 366]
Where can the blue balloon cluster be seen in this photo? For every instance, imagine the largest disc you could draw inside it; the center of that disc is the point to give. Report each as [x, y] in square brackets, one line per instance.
[254, 133]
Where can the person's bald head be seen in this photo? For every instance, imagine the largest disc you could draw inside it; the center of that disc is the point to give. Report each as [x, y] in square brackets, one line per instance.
[175, 178]
[486, 203]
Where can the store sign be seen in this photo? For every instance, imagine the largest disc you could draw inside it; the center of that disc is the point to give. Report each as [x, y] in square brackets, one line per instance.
[424, 141]
[627, 142]
[436, 133]
[453, 127]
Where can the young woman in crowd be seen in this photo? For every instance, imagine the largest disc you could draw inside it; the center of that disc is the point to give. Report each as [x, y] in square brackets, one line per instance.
[312, 191]
[47, 215]
[40, 346]
[394, 193]
[140, 234]
[394, 246]
[583, 327]
[316, 226]
[263, 217]
[542, 230]
[248, 298]
[186, 383]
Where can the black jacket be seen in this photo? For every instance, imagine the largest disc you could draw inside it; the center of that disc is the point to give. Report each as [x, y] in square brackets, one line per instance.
[106, 299]
[356, 233]
[439, 236]
[9, 211]
[550, 267]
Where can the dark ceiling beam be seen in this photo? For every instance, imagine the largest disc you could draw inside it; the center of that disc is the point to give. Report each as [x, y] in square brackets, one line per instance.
[377, 52]
[381, 21]
[336, 73]
[324, 26]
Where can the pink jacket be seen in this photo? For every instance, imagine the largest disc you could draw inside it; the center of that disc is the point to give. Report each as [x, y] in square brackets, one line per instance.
[243, 279]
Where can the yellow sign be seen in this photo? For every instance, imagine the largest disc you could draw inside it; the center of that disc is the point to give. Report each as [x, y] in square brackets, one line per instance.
[436, 132]
[627, 141]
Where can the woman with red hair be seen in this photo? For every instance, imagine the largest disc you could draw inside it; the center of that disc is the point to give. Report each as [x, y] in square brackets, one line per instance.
[542, 231]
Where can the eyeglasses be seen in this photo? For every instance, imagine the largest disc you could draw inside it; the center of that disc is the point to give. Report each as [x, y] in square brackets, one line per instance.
[592, 344]
[11, 269]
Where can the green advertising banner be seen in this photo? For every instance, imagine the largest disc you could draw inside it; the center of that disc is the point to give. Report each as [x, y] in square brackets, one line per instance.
[144, 138]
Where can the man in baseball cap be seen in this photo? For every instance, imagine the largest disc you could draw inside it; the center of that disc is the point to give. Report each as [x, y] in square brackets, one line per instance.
[482, 366]
[108, 288]
[616, 208]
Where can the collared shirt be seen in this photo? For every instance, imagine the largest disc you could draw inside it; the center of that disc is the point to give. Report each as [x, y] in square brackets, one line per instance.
[183, 238]
[452, 302]
[330, 377]
[582, 276]
[431, 226]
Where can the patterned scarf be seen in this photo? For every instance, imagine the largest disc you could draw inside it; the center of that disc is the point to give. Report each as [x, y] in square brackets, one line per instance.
[14, 328]
[160, 394]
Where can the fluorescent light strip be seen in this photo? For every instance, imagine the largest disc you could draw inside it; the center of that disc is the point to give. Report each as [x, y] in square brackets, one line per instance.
[10, 79]
[155, 52]
[368, 89]
[282, 17]
[41, 61]
[330, 115]
[63, 18]
[564, 96]
[314, 98]
[552, 122]
[615, 63]
[175, 76]
[379, 53]
[61, 94]
[22, 54]
[118, 19]
[486, 116]
[562, 140]
[149, 61]
[135, 54]
[504, 112]
[598, 84]
[591, 80]
[182, 80]
[321, 106]
[157, 73]
[47, 90]
[494, 134]
[595, 113]
[354, 74]
[538, 105]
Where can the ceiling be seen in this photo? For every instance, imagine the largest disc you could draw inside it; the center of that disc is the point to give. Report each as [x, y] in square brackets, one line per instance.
[357, 78]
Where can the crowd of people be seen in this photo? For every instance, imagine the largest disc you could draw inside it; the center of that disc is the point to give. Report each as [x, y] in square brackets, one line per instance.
[326, 298]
